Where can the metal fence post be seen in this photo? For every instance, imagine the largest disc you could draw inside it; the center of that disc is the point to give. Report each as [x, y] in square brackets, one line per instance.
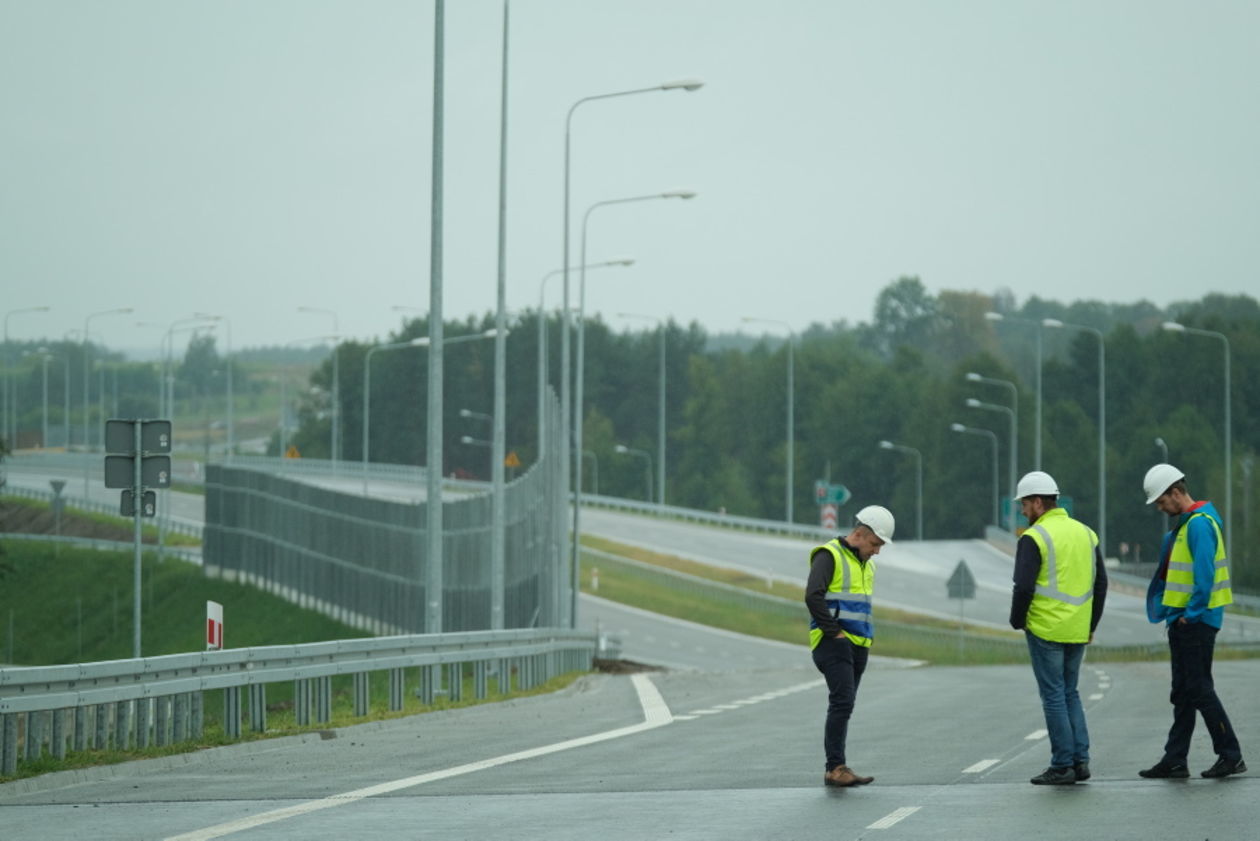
[179, 724]
[232, 712]
[122, 725]
[323, 699]
[162, 720]
[396, 677]
[142, 722]
[8, 744]
[198, 715]
[258, 707]
[361, 701]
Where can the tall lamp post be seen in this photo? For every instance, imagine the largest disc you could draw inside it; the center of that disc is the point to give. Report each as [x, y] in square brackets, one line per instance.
[542, 339]
[565, 401]
[8, 427]
[231, 394]
[336, 385]
[791, 401]
[918, 481]
[1176, 327]
[1054, 323]
[87, 376]
[997, 316]
[581, 361]
[367, 394]
[973, 403]
[660, 401]
[989, 433]
[646, 456]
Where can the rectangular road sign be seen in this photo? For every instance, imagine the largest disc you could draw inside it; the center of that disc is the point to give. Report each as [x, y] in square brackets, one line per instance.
[148, 505]
[155, 471]
[155, 436]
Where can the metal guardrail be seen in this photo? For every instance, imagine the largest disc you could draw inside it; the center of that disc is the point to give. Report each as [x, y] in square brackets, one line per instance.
[174, 524]
[692, 515]
[159, 699]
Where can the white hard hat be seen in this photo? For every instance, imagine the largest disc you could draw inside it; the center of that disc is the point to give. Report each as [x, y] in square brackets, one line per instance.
[1036, 483]
[878, 519]
[1159, 479]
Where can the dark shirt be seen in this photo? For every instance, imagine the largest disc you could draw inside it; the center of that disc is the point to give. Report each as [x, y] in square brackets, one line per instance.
[822, 568]
[1028, 567]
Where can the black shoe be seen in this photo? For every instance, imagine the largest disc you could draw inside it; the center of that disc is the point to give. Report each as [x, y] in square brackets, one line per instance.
[1055, 777]
[1224, 767]
[1166, 771]
[1081, 769]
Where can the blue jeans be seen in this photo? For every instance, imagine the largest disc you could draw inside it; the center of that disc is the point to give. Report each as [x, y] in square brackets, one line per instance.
[1057, 666]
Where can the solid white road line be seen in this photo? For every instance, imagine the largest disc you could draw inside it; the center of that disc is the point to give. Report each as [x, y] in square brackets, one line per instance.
[1036, 734]
[655, 714]
[1097, 696]
[982, 765]
[893, 817]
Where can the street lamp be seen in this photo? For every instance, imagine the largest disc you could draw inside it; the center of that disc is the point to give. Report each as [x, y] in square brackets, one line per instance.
[791, 400]
[997, 316]
[581, 361]
[542, 339]
[1176, 327]
[43, 438]
[1102, 423]
[336, 384]
[660, 415]
[565, 401]
[918, 482]
[8, 428]
[231, 394]
[478, 442]
[647, 457]
[284, 388]
[973, 403]
[958, 427]
[367, 394]
[87, 376]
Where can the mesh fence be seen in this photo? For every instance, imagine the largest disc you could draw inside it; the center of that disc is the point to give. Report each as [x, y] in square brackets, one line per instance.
[362, 560]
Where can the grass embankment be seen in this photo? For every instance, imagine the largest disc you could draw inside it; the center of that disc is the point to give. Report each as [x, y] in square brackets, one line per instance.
[27, 516]
[897, 633]
[76, 606]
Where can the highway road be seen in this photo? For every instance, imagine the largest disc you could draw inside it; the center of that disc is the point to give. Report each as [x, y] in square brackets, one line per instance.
[723, 743]
[724, 753]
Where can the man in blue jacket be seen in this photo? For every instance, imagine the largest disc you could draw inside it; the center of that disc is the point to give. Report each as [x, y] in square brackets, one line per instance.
[1189, 593]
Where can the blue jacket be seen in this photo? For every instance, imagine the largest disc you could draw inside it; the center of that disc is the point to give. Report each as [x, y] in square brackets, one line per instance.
[1202, 542]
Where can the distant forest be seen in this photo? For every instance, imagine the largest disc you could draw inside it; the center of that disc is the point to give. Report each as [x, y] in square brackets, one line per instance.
[900, 378]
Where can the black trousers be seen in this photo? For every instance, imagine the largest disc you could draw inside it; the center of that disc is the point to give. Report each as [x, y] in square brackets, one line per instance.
[1190, 647]
[841, 663]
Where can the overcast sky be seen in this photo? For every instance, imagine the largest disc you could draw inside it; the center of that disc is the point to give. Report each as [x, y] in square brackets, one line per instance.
[245, 157]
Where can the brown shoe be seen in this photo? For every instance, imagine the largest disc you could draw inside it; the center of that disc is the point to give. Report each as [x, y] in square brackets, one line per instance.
[843, 777]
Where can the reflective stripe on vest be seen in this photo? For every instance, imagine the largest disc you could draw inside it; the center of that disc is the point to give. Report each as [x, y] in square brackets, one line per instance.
[1062, 604]
[848, 595]
[1180, 583]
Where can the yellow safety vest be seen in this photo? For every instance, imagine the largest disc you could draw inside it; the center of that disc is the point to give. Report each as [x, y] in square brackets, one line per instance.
[1180, 583]
[1063, 602]
[848, 595]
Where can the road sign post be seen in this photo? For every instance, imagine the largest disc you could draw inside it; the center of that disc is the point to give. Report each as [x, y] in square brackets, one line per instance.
[138, 459]
[962, 586]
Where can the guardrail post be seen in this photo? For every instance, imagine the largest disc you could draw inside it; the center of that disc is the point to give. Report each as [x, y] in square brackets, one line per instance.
[101, 741]
[396, 677]
[361, 705]
[302, 701]
[198, 713]
[258, 707]
[80, 728]
[425, 690]
[162, 720]
[455, 673]
[142, 722]
[179, 729]
[323, 699]
[32, 737]
[58, 744]
[481, 678]
[8, 744]
[232, 712]
[122, 725]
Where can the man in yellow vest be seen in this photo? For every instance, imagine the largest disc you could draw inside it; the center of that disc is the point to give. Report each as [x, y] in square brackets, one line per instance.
[838, 595]
[1060, 588]
[1189, 592]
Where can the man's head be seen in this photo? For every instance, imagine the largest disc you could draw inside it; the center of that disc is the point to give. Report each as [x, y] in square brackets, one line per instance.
[1165, 488]
[872, 528]
[1037, 493]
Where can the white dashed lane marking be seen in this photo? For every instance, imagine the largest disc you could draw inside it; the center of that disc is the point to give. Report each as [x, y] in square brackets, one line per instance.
[982, 765]
[1035, 735]
[892, 818]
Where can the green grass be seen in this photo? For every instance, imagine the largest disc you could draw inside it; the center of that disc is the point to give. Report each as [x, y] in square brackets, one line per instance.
[897, 634]
[80, 522]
